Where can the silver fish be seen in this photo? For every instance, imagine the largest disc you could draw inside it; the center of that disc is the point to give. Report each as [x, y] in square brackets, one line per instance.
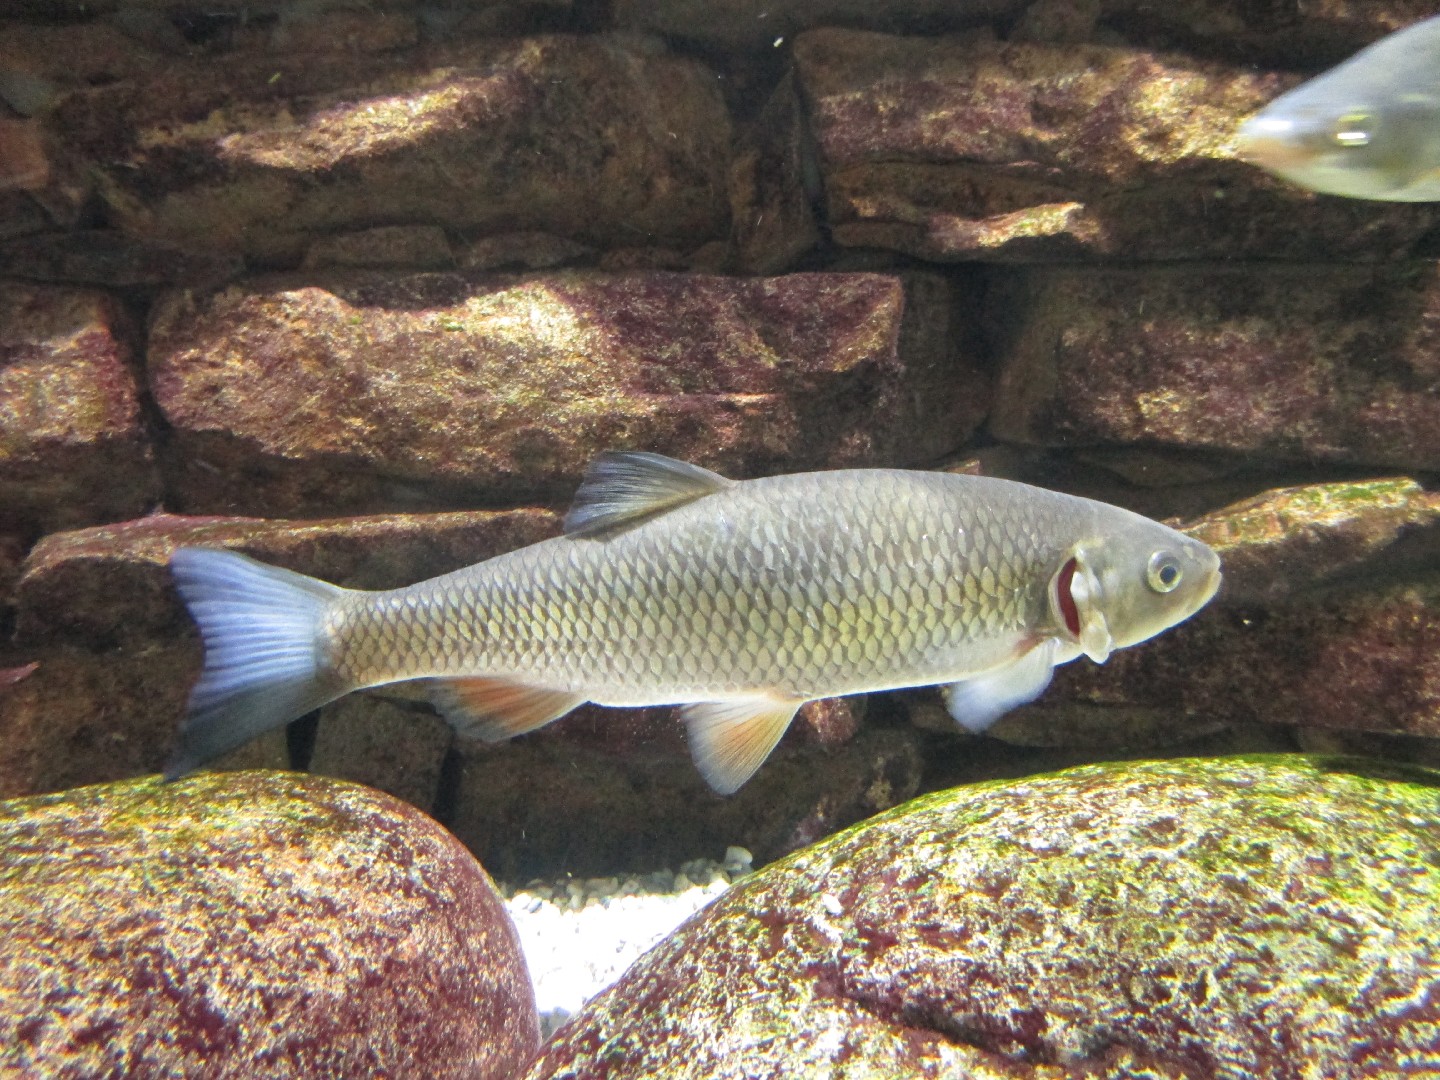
[1368, 129]
[739, 601]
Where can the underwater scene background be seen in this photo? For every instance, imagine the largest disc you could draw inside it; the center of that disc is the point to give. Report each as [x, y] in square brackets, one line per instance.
[360, 289]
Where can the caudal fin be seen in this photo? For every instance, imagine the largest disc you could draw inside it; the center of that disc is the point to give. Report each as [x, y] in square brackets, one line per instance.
[262, 666]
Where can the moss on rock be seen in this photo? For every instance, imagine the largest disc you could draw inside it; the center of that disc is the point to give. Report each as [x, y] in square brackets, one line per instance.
[1244, 917]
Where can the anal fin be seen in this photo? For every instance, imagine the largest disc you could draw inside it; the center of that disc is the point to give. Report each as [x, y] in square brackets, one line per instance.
[977, 703]
[498, 709]
[730, 739]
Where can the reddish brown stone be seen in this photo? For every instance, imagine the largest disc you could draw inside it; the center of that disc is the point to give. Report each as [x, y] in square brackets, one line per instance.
[962, 149]
[336, 28]
[44, 57]
[1333, 363]
[592, 138]
[1168, 920]
[757, 24]
[24, 163]
[523, 251]
[73, 445]
[414, 247]
[251, 924]
[82, 717]
[772, 182]
[358, 393]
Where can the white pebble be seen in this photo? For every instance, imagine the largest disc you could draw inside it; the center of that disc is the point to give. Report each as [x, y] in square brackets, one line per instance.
[583, 940]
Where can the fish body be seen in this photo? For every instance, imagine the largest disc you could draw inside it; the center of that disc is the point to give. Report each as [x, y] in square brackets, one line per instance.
[739, 601]
[1367, 129]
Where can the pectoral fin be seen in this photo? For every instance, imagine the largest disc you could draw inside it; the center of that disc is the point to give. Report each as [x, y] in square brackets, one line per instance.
[977, 703]
[729, 739]
[497, 709]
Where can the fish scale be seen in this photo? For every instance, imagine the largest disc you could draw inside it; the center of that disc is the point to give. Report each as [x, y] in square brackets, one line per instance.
[736, 600]
[895, 576]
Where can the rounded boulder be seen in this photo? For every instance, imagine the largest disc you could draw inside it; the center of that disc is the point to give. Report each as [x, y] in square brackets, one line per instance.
[251, 924]
[1229, 919]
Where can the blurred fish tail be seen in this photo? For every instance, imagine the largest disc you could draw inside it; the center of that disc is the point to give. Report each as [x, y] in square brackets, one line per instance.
[264, 663]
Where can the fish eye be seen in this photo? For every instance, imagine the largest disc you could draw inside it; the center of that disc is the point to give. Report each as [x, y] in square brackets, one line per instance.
[1354, 129]
[1163, 573]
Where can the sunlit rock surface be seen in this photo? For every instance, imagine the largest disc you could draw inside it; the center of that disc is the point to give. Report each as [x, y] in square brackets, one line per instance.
[261, 153]
[1231, 918]
[238, 925]
[371, 393]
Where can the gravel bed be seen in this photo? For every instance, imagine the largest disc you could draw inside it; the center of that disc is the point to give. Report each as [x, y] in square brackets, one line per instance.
[580, 935]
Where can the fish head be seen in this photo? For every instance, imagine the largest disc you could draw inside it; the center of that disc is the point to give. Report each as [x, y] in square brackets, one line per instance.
[1341, 144]
[1133, 583]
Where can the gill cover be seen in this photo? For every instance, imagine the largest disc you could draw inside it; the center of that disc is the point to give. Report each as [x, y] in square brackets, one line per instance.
[1077, 602]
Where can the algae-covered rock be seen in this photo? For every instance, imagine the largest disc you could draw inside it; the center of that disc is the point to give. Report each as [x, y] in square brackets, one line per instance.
[251, 924]
[1232, 919]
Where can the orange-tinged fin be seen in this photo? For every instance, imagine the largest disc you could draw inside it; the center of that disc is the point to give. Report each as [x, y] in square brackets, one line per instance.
[498, 709]
[729, 739]
[624, 487]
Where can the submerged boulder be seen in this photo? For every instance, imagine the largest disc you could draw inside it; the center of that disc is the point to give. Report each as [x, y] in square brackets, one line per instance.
[1234, 918]
[251, 924]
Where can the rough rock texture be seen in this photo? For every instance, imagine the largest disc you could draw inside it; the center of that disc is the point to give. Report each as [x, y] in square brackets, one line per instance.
[1229, 919]
[111, 258]
[1287, 541]
[751, 24]
[73, 444]
[367, 393]
[1333, 363]
[251, 924]
[773, 181]
[415, 247]
[117, 653]
[608, 791]
[397, 747]
[595, 138]
[84, 717]
[959, 149]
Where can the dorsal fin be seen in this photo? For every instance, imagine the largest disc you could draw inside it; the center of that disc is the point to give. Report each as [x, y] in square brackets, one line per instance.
[623, 487]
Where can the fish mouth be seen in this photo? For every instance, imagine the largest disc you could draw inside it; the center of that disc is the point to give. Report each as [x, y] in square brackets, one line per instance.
[1271, 144]
[1207, 594]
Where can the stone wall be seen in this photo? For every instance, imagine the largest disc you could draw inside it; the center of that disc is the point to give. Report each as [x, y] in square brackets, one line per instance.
[360, 288]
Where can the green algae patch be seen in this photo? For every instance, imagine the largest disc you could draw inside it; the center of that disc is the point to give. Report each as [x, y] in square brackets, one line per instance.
[1234, 918]
[250, 924]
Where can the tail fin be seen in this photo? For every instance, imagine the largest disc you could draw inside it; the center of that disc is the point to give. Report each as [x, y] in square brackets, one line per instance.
[261, 627]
